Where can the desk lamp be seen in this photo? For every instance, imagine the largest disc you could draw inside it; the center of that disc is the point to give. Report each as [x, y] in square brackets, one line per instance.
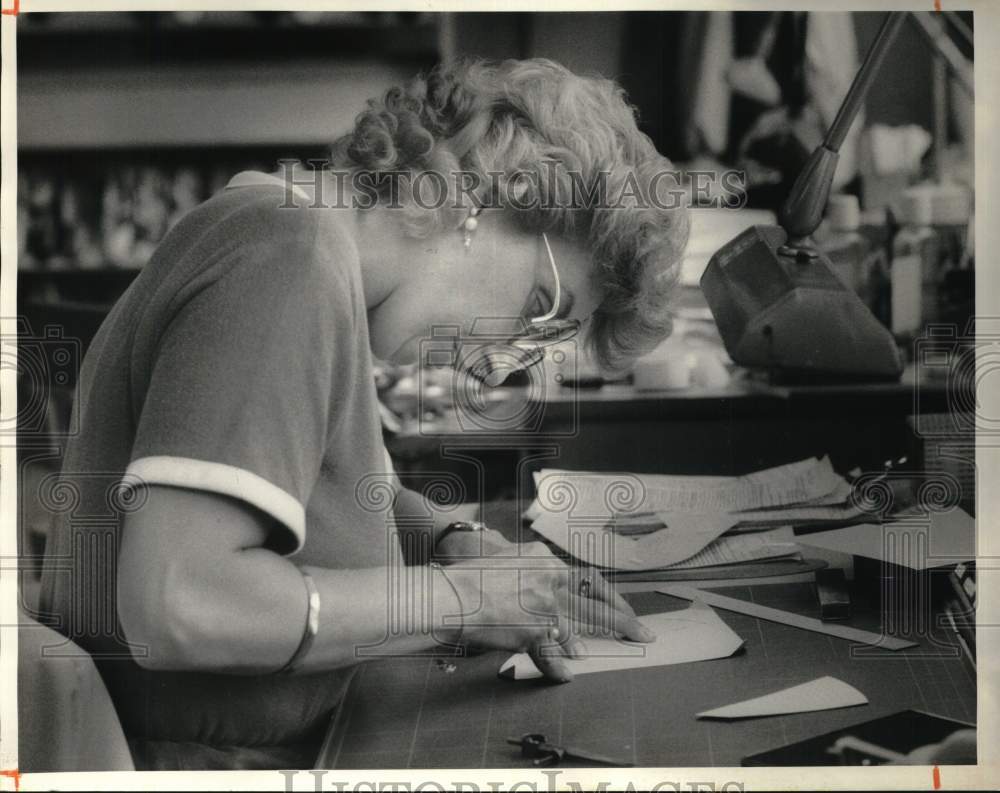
[775, 297]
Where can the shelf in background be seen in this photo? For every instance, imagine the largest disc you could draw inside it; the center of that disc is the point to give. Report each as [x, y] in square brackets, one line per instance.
[99, 162]
[301, 103]
[56, 297]
[135, 39]
[106, 81]
[97, 288]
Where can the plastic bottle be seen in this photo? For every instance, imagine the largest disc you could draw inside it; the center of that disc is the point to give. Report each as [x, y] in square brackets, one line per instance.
[840, 238]
[914, 264]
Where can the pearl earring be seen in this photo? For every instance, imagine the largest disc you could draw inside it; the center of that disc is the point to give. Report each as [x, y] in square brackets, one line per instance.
[469, 225]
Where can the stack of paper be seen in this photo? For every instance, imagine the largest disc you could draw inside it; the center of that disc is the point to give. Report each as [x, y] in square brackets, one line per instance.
[739, 548]
[647, 522]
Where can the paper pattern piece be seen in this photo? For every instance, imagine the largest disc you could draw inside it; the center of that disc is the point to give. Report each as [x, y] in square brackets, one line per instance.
[692, 634]
[579, 511]
[915, 541]
[794, 483]
[684, 536]
[824, 693]
[786, 617]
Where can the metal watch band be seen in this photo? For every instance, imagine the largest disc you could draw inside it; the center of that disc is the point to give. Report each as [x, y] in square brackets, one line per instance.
[460, 525]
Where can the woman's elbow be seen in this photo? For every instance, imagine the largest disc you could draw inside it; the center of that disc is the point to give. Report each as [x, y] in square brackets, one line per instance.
[162, 622]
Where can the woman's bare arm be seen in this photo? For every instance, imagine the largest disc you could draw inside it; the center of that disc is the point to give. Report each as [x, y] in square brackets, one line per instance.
[198, 589]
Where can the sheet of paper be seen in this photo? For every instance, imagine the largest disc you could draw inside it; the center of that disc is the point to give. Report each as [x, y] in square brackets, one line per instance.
[561, 491]
[838, 496]
[824, 693]
[692, 634]
[786, 617]
[834, 506]
[914, 541]
[740, 548]
[596, 544]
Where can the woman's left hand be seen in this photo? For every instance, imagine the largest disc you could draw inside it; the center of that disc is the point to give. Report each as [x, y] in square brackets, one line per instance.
[588, 592]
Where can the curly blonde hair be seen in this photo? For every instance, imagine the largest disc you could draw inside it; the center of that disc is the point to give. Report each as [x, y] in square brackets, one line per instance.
[537, 119]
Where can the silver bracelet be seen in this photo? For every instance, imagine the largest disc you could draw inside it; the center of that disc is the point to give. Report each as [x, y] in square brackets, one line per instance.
[311, 627]
[461, 610]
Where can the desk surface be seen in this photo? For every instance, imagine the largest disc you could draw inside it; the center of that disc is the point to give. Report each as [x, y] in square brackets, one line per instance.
[549, 410]
[406, 713]
[746, 396]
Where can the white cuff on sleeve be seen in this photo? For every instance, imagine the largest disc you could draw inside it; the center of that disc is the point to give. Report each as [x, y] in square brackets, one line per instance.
[227, 480]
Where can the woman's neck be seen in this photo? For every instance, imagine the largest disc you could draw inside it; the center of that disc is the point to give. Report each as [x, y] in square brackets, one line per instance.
[387, 254]
[375, 235]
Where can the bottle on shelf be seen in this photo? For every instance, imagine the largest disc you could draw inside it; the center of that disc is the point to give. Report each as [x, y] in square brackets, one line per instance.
[840, 238]
[914, 271]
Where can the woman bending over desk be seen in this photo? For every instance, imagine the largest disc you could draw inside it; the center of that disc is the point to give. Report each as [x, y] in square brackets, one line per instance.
[243, 542]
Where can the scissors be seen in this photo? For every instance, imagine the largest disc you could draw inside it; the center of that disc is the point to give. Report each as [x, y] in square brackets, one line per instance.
[542, 753]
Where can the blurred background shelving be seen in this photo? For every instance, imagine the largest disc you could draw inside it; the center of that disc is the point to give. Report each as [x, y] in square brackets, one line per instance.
[281, 78]
[56, 40]
[128, 119]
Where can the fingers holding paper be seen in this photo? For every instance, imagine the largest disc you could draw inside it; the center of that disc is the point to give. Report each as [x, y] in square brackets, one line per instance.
[532, 604]
[599, 619]
[596, 609]
[557, 644]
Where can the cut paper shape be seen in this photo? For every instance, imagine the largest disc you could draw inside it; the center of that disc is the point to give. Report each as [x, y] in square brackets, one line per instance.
[599, 546]
[824, 693]
[915, 541]
[692, 634]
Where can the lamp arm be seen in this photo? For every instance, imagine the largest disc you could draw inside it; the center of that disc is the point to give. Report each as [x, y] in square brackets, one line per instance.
[802, 211]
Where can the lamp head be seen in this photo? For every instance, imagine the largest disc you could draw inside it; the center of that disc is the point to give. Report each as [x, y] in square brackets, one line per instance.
[790, 313]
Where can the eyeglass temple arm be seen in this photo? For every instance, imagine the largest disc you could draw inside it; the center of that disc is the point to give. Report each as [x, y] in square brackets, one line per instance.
[555, 271]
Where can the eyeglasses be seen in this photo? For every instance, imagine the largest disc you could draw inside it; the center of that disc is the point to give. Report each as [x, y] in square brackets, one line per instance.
[526, 348]
[553, 312]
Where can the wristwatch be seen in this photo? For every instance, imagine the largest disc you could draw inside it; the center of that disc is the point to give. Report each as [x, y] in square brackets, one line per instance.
[460, 525]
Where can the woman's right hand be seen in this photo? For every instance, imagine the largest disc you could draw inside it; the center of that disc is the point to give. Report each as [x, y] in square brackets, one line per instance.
[530, 603]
